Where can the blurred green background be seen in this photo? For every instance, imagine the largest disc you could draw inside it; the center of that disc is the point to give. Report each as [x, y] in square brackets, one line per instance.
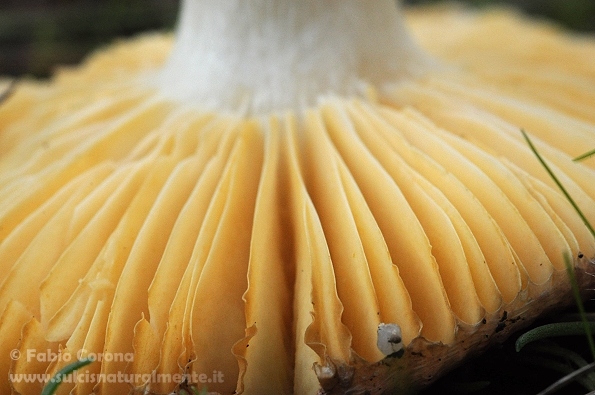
[36, 35]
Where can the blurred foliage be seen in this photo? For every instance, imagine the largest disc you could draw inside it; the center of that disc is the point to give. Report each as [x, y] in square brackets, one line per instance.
[573, 14]
[36, 35]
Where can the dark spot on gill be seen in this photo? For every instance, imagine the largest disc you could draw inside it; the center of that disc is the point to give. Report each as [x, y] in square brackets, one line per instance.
[504, 316]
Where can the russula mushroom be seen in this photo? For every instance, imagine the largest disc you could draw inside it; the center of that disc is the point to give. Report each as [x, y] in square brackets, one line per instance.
[292, 197]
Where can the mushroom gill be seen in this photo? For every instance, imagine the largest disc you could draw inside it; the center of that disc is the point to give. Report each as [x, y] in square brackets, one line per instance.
[226, 226]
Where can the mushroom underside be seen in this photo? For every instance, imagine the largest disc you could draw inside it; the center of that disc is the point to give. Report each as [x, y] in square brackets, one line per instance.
[263, 253]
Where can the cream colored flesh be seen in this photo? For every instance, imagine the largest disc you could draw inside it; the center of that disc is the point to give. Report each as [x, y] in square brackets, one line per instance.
[269, 247]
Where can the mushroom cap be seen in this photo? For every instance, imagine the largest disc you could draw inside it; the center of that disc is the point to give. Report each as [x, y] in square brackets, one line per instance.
[294, 252]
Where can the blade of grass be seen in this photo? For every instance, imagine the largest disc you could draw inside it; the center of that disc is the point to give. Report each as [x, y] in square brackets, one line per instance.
[579, 302]
[558, 183]
[55, 381]
[584, 156]
[564, 381]
[561, 368]
[567, 258]
[557, 329]
[552, 349]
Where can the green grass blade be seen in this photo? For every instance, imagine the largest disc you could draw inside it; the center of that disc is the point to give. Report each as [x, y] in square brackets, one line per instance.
[584, 156]
[564, 381]
[562, 368]
[586, 326]
[558, 183]
[55, 381]
[557, 329]
[588, 330]
[579, 303]
[551, 349]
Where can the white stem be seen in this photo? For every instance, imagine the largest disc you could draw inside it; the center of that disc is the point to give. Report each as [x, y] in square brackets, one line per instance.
[268, 55]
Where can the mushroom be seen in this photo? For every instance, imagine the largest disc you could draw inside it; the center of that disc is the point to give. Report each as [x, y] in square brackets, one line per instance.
[292, 197]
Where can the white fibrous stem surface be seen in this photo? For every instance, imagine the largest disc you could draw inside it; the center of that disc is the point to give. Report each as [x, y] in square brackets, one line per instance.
[259, 56]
